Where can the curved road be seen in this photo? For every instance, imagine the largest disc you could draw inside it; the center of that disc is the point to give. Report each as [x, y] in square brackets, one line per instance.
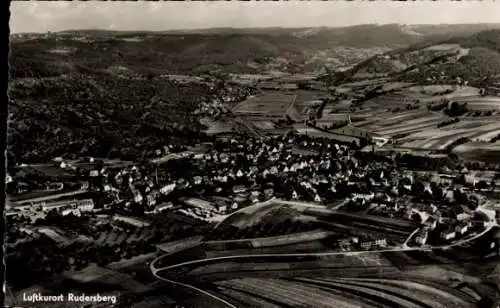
[404, 247]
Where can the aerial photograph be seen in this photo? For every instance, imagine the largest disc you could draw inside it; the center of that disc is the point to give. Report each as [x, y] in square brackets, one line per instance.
[235, 154]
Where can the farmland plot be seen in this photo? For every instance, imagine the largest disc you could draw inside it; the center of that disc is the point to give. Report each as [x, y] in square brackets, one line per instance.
[480, 103]
[392, 124]
[321, 134]
[219, 127]
[407, 128]
[440, 138]
[274, 104]
[480, 151]
[293, 294]
[264, 125]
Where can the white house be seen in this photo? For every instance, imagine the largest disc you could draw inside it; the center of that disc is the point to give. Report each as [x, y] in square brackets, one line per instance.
[85, 205]
[462, 216]
[234, 206]
[462, 228]
[421, 238]
[448, 234]
[168, 188]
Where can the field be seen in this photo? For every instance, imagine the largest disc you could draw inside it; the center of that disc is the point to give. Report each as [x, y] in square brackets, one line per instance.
[395, 125]
[479, 151]
[368, 280]
[480, 102]
[315, 133]
[217, 127]
[429, 93]
[271, 104]
[264, 125]
[440, 138]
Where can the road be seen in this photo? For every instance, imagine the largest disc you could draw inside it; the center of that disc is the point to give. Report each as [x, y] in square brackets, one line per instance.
[221, 300]
[404, 247]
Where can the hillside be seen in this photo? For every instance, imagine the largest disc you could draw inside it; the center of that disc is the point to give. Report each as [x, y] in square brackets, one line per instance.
[232, 50]
[473, 58]
[101, 93]
[98, 115]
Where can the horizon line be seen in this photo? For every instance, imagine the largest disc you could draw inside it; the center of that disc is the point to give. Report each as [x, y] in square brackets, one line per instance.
[260, 28]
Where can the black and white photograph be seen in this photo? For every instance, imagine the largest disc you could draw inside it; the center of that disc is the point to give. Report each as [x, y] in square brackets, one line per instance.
[260, 154]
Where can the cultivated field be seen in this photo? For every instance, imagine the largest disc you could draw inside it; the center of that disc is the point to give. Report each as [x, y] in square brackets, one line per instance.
[316, 133]
[270, 104]
[477, 102]
[479, 151]
[440, 138]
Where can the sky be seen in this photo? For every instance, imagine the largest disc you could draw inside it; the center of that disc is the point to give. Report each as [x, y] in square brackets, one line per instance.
[43, 16]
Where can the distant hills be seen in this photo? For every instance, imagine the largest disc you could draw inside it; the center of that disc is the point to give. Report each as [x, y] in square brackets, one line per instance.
[95, 92]
[474, 57]
[231, 50]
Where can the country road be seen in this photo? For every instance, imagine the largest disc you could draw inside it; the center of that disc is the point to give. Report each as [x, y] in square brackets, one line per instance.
[155, 270]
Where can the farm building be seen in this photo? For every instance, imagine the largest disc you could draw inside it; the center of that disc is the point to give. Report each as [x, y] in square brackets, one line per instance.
[462, 228]
[421, 238]
[448, 234]
[199, 203]
[376, 243]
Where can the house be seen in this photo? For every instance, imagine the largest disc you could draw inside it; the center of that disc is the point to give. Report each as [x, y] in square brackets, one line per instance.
[221, 207]
[377, 243]
[269, 193]
[138, 197]
[168, 188]
[85, 205]
[76, 212]
[239, 189]
[462, 216]
[55, 186]
[151, 199]
[421, 238]
[197, 180]
[234, 205]
[462, 228]
[431, 223]
[199, 203]
[448, 234]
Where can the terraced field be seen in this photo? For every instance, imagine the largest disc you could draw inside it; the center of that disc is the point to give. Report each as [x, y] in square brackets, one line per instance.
[316, 133]
[386, 123]
[479, 151]
[345, 292]
[440, 138]
[480, 103]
